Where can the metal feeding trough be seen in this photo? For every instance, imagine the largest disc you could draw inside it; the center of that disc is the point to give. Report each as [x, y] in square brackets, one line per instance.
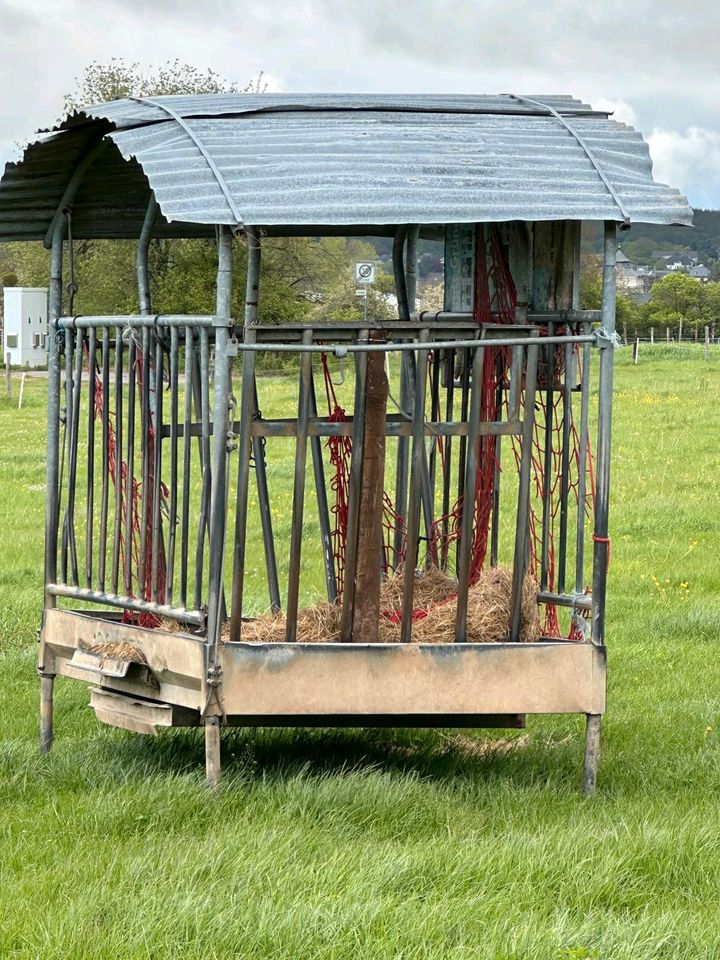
[159, 496]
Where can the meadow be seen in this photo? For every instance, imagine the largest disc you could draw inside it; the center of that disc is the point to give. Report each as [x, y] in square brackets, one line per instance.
[327, 845]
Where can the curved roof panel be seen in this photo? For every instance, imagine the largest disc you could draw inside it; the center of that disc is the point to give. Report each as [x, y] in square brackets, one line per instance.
[305, 162]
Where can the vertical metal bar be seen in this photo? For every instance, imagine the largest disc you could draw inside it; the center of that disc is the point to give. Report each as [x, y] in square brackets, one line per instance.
[141, 256]
[187, 452]
[130, 471]
[495, 521]
[462, 453]
[548, 464]
[468, 514]
[145, 500]
[582, 463]
[296, 533]
[592, 752]
[221, 426]
[565, 463]
[105, 482]
[252, 287]
[601, 552]
[304, 406]
[447, 461]
[156, 524]
[69, 346]
[522, 525]
[46, 712]
[52, 494]
[322, 502]
[73, 434]
[434, 414]
[204, 378]
[354, 486]
[414, 506]
[90, 478]
[118, 479]
[173, 506]
[406, 389]
[258, 446]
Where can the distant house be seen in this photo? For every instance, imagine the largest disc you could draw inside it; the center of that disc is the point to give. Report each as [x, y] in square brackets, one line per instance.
[627, 273]
[680, 261]
[700, 272]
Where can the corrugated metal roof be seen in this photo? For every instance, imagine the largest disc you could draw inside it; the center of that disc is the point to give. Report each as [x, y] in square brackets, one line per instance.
[313, 161]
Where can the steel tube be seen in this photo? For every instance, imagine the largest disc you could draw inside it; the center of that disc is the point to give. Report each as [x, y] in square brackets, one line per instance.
[523, 503]
[601, 550]
[137, 321]
[204, 445]
[252, 287]
[397, 346]
[407, 379]
[258, 447]
[565, 465]
[187, 462]
[156, 525]
[90, 479]
[548, 472]
[414, 506]
[146, 493]
[105, 476]
[173, 506]
[582, 468]
[322, 503]
[195, 617]
[447, 460]
[118, 478]
[298, 503]
[221, 417]
[52, 493]
[141, 257]
[130, 472]
[468, 513]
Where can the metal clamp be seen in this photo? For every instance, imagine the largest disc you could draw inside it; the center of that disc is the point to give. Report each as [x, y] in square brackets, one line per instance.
[604, 338]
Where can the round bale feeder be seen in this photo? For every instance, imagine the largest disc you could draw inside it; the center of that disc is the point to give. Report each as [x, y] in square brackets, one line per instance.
[443, 475]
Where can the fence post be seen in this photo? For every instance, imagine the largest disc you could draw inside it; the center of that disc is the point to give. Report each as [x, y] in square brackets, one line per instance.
[8, 382]
[652, 335]
[696, 334]
[624, 333]
[707, 343]
[22, 390]
[680, 331]
[636, 350]
[667, 334]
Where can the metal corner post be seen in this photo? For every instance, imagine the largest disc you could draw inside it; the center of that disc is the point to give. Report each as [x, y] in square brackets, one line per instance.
[601, 541]
[218, 496]
[601, 550]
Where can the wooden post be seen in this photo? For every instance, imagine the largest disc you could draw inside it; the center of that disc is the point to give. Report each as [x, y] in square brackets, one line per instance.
[707, 343]
[22, 390]
[652, 335]
[667, 334]
[366, 605]
[680, 331]
[624, 333]
[636, 350]
[8, 382]
[696, 333]
[46, 712]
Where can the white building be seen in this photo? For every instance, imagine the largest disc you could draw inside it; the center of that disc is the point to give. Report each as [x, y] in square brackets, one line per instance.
[25, 326]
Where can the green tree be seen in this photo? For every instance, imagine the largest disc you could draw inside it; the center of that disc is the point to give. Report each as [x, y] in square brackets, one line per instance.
[675, 299]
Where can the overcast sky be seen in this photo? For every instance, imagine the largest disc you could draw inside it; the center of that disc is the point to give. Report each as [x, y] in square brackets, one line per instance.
[655, 63]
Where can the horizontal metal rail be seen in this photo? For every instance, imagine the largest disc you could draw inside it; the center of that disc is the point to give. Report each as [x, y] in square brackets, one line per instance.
[196, 617]
[333, 428]
[342, 350]
[533, 316]
[579, 601]
[139, 321]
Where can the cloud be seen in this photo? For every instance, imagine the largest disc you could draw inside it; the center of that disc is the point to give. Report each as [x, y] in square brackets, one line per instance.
[689, 160]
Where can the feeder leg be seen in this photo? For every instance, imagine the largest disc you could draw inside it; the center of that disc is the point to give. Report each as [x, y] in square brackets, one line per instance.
[212, 751]
[46, 712]
[592, 752]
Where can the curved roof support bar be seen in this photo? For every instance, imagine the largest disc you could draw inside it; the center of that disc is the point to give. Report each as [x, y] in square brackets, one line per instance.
[71, 190]
[582, 143]
[212, 166]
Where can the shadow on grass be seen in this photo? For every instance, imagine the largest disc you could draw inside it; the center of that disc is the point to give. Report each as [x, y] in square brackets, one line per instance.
[524, 757]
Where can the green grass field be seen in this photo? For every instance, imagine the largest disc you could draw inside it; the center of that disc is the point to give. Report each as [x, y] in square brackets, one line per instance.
[334, 845]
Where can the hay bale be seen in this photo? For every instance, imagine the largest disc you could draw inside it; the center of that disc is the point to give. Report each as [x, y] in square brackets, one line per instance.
[488, 620]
